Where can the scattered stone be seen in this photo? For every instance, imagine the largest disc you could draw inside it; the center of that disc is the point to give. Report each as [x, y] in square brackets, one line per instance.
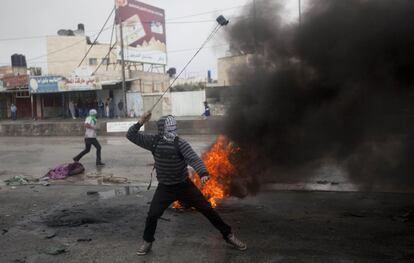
[84, 239]
[165, 219]
[17, 180]
[55, 250]
[115, 180]
[45, 183]
[72, 218]
[51, 235]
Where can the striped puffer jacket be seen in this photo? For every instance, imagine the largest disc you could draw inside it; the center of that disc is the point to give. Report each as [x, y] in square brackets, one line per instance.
[170, 165]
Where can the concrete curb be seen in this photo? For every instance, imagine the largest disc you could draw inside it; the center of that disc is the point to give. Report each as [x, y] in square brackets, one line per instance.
[75, 128]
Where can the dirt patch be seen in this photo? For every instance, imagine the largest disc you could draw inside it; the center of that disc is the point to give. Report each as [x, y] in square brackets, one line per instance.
[72, 218]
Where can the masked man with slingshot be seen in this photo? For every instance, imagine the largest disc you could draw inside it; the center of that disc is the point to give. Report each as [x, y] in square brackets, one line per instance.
[172, 154]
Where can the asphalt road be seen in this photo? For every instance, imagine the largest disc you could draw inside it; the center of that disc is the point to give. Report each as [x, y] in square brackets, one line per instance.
[34, 156]
[279, 226]
[87, 219]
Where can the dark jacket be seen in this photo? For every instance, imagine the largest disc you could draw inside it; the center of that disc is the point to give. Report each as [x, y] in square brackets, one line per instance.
[170, 165]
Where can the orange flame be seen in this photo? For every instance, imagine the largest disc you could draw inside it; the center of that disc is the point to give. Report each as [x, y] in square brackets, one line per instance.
[220, 169]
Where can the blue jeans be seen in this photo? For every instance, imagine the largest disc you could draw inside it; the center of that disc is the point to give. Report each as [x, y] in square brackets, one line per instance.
[14, 115]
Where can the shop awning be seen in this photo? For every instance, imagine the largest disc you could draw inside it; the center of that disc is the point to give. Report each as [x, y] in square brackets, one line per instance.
[115, 82]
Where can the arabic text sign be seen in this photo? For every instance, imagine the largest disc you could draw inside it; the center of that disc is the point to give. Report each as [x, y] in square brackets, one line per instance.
[52, 84]
[46, 84]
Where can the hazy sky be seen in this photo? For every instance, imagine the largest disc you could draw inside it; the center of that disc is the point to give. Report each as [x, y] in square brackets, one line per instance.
[186, 28]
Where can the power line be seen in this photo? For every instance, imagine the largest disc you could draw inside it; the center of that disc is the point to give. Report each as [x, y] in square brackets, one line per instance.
[106, 57]
[181, 22]
[186, 65]
[193, 22]
[37, 37]
[144, 22]
[169, 52]
[174, 51]
[97, 36]
[57, 50]
[205, 13]
[167, 22]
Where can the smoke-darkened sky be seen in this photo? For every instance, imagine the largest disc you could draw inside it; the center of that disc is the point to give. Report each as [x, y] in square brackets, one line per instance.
[339, 89]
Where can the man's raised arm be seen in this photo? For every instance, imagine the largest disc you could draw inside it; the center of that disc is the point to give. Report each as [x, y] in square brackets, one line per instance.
[135, 136]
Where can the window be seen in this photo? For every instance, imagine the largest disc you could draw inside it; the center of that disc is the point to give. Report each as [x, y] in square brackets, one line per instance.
[93, 61]
[105, 61]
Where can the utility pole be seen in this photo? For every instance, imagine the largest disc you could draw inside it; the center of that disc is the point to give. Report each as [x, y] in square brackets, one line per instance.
[254, 27]
[31, 104]
[123, 68]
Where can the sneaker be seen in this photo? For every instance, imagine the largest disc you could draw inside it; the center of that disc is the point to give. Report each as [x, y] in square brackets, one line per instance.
[100, 164]
[144, 248]
[235, 242]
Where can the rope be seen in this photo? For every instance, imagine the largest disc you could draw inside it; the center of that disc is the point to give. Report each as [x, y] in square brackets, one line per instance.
[188, 63]
[96, 38]
[102, 60]
[110, 42]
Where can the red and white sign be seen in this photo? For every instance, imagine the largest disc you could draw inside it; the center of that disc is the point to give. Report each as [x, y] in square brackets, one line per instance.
[15, 81]
[143, 29]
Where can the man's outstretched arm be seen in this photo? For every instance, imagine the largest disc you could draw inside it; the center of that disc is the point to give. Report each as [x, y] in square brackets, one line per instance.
[137, 137]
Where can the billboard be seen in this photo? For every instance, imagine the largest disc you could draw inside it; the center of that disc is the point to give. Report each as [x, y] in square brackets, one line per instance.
[54, 84]
[11, 82]
[143, 28]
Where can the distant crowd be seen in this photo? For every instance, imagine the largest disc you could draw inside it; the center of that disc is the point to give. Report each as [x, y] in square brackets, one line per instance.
[107, 109]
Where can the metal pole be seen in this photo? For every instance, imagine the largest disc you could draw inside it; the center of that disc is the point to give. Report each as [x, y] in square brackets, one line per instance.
[254, 27]
[123, 67]
[63, 106]
[31, 103]
[300, 12]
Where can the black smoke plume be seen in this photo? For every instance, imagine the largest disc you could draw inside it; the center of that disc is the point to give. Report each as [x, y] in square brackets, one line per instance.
[337, 89]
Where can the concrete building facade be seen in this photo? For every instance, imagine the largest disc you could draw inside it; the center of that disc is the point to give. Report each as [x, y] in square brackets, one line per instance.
[226, 67]
[143, 86]
[14, 89]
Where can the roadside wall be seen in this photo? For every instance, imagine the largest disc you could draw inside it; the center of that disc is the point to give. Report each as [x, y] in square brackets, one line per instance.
[75, 128]
[188, 103]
